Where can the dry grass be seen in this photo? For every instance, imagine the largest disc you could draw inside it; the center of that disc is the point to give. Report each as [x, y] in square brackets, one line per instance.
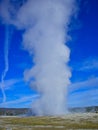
[72, 121]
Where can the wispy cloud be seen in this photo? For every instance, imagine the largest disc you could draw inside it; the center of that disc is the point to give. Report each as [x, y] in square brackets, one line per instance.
[84, 93]
[84, 98]
[92, 82]
[9, 83]
[19, 102]
[87, 65]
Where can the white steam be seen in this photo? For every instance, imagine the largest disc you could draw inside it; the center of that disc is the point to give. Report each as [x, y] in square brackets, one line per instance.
[46, 27]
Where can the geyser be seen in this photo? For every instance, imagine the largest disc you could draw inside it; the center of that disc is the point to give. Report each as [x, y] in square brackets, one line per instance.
[46, 32]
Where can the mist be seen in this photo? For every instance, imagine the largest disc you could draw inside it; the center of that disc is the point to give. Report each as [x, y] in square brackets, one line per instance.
[46, 25]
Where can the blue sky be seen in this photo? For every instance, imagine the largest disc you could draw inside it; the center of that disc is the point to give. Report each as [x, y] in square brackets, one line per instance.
[83, 62]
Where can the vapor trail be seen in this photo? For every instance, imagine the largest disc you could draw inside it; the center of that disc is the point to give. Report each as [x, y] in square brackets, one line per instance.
[6, 62]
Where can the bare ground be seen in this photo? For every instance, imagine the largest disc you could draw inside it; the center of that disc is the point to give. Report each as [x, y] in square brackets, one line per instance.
[69, 121]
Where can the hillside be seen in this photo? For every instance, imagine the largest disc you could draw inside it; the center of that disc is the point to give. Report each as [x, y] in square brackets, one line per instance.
[21, 111]
[84, 109]
[13, 111]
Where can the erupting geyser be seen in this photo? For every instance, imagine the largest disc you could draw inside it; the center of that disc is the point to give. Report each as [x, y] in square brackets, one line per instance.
[46, 26]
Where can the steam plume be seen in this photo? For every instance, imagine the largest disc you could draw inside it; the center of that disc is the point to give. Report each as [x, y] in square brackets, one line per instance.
[6, 53]
[46, 27]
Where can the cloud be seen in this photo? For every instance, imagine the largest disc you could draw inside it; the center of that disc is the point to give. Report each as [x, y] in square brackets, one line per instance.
[9, 83]
[87, 65]
[84, 93]
[84, 98]
[19, 102]
[92, 82]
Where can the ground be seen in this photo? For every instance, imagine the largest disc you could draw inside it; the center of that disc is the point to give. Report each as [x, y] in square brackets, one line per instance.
[69, 121]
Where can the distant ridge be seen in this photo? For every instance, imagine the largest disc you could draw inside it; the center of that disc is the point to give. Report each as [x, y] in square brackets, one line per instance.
[13, 111]
[23, 111]
[84, 109]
